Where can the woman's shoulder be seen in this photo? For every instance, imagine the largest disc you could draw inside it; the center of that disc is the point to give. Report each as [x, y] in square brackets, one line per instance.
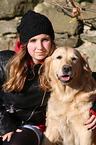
[94, 75]
[6, 55]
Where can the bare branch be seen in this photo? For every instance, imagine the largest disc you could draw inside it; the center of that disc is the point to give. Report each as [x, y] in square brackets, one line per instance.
[72, 3]
[66, 7]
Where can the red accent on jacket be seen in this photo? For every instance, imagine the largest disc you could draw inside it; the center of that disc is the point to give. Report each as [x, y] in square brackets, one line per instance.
[18, 46]
[93, 112]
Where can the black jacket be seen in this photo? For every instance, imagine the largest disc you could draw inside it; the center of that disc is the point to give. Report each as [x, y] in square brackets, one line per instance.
[25, 107]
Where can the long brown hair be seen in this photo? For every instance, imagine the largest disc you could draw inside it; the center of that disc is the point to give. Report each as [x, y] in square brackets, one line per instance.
[17, 69]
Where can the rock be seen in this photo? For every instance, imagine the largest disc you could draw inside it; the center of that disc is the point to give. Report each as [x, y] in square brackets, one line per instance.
[66, 33]
[7, 43]
[90, 36]
[10, 9]
[60, 21]
[8, 27]
[90, 50]
[72, 41]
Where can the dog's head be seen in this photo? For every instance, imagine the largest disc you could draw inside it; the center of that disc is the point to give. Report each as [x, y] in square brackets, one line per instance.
[66, 65]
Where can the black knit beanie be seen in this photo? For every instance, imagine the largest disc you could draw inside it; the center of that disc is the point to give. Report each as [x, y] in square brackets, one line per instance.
[33, 24]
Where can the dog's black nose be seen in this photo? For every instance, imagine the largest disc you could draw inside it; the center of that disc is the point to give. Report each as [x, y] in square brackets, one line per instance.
[66, 68]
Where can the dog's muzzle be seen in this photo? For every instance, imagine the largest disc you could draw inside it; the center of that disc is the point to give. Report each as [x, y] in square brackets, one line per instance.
[66, 74]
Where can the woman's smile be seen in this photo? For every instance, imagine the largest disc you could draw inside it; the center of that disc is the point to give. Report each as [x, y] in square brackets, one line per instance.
[39, 47]
[40, 53]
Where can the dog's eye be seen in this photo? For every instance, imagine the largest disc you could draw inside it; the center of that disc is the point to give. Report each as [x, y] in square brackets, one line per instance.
[74, 58]
[59, 57]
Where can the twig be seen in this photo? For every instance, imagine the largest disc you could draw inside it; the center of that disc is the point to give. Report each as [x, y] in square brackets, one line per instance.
[72, 3]
[91, 10]
[66, 7]
[62, 7]
[56, 4]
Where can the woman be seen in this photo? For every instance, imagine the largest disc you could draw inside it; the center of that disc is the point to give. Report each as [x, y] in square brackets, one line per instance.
[22, 104]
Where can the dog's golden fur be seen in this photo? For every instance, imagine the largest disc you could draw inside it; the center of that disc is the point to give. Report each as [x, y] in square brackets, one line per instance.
[73, 91]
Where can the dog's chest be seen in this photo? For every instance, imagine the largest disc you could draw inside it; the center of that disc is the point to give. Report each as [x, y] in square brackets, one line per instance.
[68, 110]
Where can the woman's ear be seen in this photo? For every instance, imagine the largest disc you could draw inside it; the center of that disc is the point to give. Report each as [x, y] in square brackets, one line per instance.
[44, 74]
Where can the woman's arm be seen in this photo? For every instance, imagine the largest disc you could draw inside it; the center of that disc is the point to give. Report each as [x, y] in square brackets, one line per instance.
[91, 123]
[6, 123]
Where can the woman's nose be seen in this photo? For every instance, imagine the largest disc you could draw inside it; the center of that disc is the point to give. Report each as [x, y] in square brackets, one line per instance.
[39, 45]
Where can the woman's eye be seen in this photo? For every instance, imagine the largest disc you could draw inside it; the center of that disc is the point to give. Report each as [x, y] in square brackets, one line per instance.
[45, 39]
[33, 40]
[59, 57]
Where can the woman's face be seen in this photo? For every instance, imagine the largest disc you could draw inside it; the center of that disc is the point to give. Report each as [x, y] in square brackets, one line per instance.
[39, 47]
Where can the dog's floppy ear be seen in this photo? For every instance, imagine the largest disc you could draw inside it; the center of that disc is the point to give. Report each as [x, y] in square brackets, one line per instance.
[44, 74]
[85, 63]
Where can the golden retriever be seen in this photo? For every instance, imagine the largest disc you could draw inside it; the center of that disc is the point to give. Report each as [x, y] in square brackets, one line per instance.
[73, 91]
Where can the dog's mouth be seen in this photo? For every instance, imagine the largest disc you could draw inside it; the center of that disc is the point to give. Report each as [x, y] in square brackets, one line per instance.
[66, 75]
[64, 78]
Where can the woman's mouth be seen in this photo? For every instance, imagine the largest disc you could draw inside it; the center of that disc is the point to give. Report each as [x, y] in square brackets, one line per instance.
[40, 53]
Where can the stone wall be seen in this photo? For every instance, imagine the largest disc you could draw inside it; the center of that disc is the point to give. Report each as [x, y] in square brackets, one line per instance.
[80, 34]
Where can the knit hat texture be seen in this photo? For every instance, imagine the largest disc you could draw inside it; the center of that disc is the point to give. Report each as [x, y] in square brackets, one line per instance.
[33, 24]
